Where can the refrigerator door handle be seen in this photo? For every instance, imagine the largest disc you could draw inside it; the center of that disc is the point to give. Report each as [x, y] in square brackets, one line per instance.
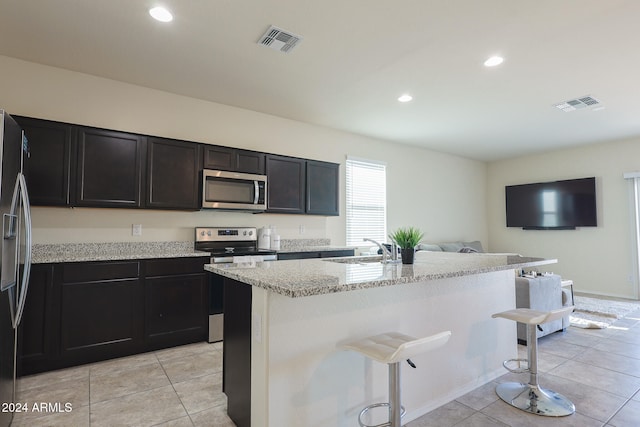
[10, 226]
[24, 285]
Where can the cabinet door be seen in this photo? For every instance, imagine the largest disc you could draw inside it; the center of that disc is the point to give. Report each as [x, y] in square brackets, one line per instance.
[322, 188]
[109, 168]
[234, 160]
[176, 310]
[47, 169]
[101, 316]
[36, 331]
[250, 162]
[219, 158]
[285, 184]
[173, 170]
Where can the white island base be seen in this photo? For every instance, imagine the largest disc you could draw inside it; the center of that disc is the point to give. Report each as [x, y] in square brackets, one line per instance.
[301, 377]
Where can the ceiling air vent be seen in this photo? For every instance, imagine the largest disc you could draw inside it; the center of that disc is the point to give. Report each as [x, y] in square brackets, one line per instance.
[278, 39]
[576, 104]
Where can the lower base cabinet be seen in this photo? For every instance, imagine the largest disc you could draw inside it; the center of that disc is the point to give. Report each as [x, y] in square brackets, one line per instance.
[100, 314]
[35, 341]
[176, 300]
[85, 312]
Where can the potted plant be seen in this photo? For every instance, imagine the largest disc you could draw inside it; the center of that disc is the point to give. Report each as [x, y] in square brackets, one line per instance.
[407, 239]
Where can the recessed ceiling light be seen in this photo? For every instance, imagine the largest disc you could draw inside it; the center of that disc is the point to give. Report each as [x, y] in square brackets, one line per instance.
[405, 98]
[493, 61]
[161, 14]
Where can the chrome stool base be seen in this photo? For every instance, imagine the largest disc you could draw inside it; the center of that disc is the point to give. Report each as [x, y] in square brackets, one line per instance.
[378, 405]
[535, 399]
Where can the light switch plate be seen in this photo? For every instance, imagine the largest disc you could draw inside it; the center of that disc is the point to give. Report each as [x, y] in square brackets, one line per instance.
[136, 229]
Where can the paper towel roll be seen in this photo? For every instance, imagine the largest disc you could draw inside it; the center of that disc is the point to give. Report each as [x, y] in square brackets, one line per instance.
[264, 238]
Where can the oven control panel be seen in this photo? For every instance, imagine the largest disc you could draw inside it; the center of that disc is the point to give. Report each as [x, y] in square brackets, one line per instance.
[222, 234]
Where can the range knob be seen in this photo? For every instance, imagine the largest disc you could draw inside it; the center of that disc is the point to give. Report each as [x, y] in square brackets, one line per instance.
[244, 233]
[202, 233]
[209, 233]
[250, 232]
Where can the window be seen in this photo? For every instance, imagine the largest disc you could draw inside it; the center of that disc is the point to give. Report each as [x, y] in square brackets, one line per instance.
[366, 201]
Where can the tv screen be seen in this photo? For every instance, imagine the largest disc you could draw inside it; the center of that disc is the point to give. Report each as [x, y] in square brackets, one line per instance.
[552, 205]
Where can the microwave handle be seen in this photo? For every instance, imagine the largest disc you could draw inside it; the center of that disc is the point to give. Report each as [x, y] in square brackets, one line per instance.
[256, 192]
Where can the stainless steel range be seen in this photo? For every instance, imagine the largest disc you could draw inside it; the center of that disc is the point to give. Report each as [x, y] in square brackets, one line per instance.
[227, 244]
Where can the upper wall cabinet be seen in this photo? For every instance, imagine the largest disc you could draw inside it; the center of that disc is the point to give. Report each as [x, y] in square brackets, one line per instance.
[302, 186]
[48, 167]
[285, 184]
[322, 188]
[234, 160]
[173, 171]
[109, 171]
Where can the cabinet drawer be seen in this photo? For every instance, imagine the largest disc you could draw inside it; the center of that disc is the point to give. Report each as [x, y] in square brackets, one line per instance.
[95, 271]
[168, 267]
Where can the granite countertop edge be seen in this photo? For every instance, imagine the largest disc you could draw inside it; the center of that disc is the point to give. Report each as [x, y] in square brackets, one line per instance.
[329, 285]
[116, 251]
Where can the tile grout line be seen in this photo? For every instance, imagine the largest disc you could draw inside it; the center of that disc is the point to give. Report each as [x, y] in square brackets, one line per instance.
[173, 388]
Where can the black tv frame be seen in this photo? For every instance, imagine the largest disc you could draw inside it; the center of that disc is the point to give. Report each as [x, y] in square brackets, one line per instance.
[591, 221]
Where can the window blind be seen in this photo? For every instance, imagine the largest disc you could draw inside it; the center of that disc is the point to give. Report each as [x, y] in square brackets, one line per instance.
[366, 201]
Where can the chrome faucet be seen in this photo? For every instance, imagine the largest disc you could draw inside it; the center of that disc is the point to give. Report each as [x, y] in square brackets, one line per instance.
[386, 256]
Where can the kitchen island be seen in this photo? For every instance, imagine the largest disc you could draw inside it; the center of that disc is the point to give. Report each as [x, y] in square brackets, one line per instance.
[285, 321]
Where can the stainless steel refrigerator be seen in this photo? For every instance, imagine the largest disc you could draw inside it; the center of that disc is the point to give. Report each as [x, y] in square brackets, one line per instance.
[15, 254]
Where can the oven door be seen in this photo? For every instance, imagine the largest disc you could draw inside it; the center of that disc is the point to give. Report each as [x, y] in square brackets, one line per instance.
[232, 190]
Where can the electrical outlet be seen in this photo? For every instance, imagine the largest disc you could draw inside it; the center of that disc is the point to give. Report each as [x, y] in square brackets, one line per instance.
[302, 229]
[136, 229]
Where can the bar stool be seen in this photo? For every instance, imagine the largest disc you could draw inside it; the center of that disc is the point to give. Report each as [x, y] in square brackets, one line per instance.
[531, 397]
[391, 348]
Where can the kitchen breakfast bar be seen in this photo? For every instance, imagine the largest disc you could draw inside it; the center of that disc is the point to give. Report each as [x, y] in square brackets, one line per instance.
[285, 321]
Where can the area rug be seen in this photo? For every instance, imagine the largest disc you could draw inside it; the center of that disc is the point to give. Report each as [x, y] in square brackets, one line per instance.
[596, 313]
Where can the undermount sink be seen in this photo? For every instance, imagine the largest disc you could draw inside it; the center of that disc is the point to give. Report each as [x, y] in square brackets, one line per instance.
[357, 260]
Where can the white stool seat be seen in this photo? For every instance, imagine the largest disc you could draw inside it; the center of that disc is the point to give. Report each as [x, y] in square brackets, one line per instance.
[534, 317]
[392, 347]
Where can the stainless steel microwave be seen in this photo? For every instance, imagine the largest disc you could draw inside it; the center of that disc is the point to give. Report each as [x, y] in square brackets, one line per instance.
[233, 190]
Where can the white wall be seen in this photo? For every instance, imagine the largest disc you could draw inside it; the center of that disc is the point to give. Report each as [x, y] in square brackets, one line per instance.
[442, 194]
[600, 259]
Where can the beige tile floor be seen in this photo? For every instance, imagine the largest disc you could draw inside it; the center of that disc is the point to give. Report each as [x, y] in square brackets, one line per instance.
[599, 370]
[175, 387]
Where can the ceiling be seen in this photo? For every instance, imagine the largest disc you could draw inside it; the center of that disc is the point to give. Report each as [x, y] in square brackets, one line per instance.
[358, 56]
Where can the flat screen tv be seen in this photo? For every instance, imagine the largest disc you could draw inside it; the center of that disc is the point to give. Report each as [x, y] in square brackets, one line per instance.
[557, 205]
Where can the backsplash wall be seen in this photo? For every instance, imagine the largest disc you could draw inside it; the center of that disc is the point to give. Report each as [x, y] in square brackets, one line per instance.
[53, 225]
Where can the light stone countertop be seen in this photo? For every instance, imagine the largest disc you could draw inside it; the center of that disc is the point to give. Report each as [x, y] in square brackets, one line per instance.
[308, 277]
[83, 252]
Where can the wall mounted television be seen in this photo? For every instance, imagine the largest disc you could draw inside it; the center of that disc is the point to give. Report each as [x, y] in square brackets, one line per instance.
[557, 205]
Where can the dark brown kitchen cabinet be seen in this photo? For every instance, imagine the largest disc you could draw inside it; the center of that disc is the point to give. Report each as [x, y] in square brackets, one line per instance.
[85, 312]
[101, 313]
[173, 173]
[234, 160]
[109, 168]
[49, 165]
[36, 333]
[322, 188]
[176, 298]
[236, 352]
[285, 184]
